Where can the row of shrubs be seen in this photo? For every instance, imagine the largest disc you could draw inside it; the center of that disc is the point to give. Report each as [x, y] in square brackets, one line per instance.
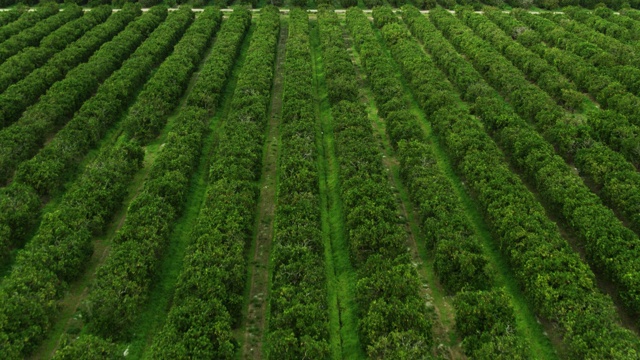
[606, 240]
[605, 21]
[30, 58]
[123, 282]
[32, 36]
[485, 318]
[298, 310]
[50, 168]
[19, 203]
[148, 225]
[57, 254]
[25, 137]
[26, 92]
[610, 56]
[163, 91]
[394, 319]
[621, 179]
[63, 243]
[559, 286]
[591, 67]
[207, 303]
[25, 20]
[603, 125]
[11, 15]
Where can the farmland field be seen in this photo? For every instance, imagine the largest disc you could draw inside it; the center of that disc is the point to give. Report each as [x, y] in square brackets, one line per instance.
[289, 184]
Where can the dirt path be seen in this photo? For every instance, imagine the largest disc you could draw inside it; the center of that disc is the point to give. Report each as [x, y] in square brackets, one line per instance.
[254, 322]
[341, 276]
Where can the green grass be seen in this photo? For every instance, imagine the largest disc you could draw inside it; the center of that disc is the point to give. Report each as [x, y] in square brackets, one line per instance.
[341, 277]
[154, 315]
[528, 325]
[270, 151]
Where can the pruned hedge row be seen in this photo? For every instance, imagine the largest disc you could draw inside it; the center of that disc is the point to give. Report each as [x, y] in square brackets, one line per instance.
[21, 64]
[26, 20]
[394, 319]
[622, 18]
[88, 347]
[19, 206]
[7, 17]
[33, 35]
[612, 57]
[48, 170]
[618, 51]
[209, 294]
[48, 176]
[607, 126]
[122, 284]
[206, 94]
[24, 138]
[634, 14]
[26, 92]
[486, 321]
[459, 262]
[619, 131]
[603, 20]
[581, 61]
[543, 74]
[618, 180]
[559, 286]
[163, 91]
[609, 245]
[299, 317]
[58, 252]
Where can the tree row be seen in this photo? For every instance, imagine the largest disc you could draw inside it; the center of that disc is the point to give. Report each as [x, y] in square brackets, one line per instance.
[123, 282]
[23, 63]
[485, 318]
[27, 91]
[608, 244]
[394, 319]
[20, 207]
[559, 286]
[208, 300]
[298, 310]
[22, 139]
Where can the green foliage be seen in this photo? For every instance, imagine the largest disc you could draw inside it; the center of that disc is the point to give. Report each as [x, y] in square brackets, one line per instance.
[141, 241]
[488, 326]
[555, 181]
[33, 35]
[26, 92]
[47, 171]
[162, 92]
[298, 319]
[88, 347]
[60, 249]
[21, 64]
[26, 20]
[459, 262]
[211, 285]
[394, 319]
[618, 179]
[558, 284]
[7, 17]
[19, 206]
[22, 139]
